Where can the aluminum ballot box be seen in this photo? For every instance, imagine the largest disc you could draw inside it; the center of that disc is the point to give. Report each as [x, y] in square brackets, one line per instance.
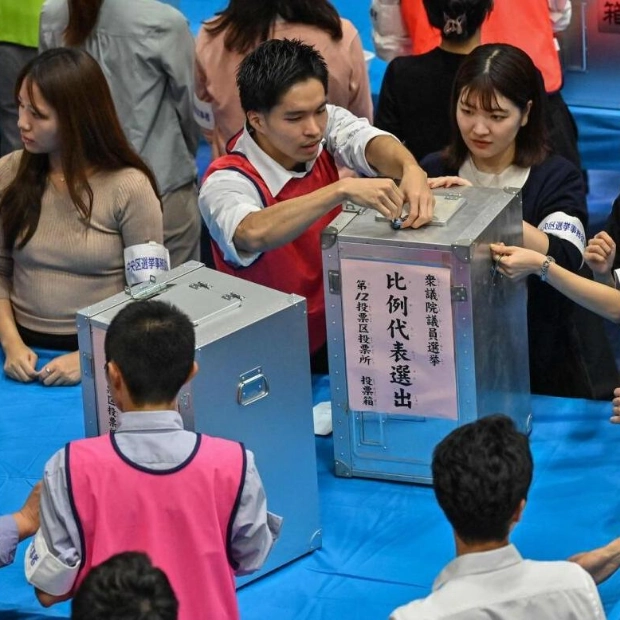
[423, 335]
[253, 385]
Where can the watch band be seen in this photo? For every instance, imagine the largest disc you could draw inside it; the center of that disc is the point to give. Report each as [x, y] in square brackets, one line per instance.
[544, 270]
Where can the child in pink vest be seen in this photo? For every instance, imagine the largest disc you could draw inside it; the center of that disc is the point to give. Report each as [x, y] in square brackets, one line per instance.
[195, 504]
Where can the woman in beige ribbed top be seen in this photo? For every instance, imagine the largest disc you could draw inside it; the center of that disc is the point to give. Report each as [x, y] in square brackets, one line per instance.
[224, 41]
[70, 202]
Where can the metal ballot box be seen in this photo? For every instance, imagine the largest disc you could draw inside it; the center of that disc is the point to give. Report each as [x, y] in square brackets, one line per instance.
[423, 335]
[253, 385]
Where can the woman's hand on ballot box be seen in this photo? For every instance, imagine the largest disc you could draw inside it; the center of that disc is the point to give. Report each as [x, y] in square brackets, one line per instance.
[514, 262]
[448, 181]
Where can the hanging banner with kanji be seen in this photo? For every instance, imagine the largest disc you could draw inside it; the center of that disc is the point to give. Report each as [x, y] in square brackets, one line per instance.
[608, 16]
[399, 338]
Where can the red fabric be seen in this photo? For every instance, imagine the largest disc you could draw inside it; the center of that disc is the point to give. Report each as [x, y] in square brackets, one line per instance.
[179, 518]
[297, 266]
[525, 24]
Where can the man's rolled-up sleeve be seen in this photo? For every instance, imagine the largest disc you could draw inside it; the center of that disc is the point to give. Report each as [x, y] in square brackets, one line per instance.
[254, 528]
[53, 557]
[226, 198]
[346, 138]
[9, 537]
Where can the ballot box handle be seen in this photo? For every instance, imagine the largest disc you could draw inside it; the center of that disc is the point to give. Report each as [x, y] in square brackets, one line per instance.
[253, 386]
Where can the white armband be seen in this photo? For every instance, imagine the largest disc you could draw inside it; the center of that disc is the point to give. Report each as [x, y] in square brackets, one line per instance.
[566, 227]
[145, 260]
[45, 571]
[203, 113]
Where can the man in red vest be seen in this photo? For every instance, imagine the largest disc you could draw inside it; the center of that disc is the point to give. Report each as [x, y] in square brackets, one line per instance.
[194, 503]
[267, 201]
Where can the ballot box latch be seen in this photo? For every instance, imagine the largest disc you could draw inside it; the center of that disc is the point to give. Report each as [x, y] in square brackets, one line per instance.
[333, 279]
[88, 365]
[146, 290]
[458, 293]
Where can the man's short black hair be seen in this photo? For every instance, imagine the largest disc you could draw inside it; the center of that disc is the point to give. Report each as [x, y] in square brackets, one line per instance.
[481, 472]
[152, 343]
[125, 587]
[266, 74]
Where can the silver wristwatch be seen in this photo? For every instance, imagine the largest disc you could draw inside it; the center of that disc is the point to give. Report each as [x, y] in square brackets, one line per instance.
[545, 268]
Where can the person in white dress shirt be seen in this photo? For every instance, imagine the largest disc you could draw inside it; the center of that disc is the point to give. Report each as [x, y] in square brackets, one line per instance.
[482, 473]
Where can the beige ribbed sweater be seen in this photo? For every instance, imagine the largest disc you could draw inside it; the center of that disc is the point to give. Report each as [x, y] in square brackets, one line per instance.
[67, 264]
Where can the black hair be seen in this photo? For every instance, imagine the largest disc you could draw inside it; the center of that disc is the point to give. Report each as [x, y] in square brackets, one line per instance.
[458, 20]
[266, 74]
[481, 472]
[72, 83]
[506, 70]
[152, 343]
[125, 587]
[247, 23]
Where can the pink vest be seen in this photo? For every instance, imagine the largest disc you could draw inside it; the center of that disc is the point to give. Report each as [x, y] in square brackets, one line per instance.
[180, 517]
[297, 266]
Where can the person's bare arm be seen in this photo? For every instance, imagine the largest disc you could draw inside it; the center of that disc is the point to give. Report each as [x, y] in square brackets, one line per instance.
[27, 517]
[281, 223]
[517, 263]
[535, 239]
[47, 600]
[601, 563]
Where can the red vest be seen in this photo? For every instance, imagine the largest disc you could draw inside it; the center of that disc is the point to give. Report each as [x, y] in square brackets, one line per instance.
[297, 266]
[180, 517]
[524, 24]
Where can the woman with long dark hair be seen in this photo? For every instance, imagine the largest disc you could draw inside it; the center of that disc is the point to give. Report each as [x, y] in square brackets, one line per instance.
[225, 40]
[71, 201]
[499, 139]
[146, 52]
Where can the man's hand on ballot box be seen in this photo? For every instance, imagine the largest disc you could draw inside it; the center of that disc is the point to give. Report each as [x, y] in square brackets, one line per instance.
[380, 194]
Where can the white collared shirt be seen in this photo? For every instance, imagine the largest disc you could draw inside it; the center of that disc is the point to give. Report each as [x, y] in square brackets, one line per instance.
[227, 196]
[500, 584]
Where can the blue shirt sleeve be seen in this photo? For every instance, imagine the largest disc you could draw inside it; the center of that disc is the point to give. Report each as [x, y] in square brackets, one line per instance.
[8, 539]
